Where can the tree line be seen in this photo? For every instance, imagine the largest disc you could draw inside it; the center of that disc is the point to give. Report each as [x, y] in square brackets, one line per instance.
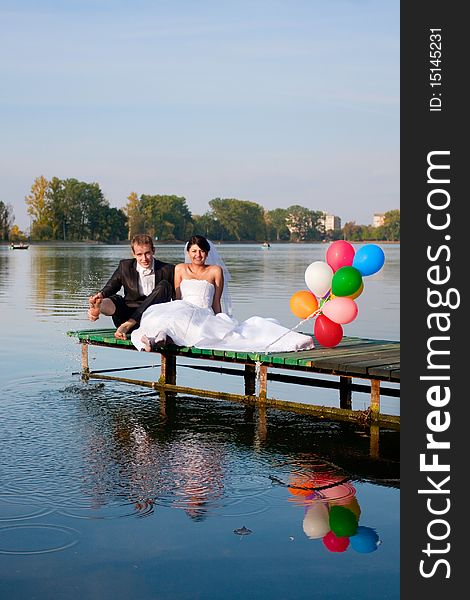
[72, 210]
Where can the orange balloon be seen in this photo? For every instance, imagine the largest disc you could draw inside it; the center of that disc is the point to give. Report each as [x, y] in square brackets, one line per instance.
[303, 304]
[301, 485]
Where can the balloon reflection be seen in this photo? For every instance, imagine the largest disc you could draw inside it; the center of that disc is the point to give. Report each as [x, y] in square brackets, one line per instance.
[332, 512]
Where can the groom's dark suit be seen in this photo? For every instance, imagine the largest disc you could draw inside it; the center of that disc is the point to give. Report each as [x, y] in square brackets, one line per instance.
[133, 304]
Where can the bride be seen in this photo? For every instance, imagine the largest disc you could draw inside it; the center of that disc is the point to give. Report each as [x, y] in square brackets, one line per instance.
[196, 319]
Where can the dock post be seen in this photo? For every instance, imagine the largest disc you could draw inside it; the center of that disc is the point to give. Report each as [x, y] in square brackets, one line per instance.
[374, 399]
[374, 440]
[261, 426]
[167, 403]
[85, 364]
[250, 380]
[263, 382]
[345, 392]
[168, 369]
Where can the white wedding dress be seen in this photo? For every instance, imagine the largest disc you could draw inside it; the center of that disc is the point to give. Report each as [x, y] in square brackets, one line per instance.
[192, 322]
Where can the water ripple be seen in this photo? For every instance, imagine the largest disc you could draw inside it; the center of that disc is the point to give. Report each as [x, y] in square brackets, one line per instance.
[16, 508]
[38, 538]
[110, 510]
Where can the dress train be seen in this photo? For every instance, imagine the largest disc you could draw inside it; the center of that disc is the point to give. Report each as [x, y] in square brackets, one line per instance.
[192, 322]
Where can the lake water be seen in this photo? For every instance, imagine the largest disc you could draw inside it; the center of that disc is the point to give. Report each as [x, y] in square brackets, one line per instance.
[109, 493]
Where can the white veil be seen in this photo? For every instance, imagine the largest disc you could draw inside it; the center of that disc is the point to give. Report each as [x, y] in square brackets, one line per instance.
[214, 258]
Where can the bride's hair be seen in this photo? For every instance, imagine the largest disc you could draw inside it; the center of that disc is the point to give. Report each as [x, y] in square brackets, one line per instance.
[198, 240]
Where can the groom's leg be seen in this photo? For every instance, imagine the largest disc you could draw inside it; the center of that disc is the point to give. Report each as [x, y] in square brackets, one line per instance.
[122, 312]
[162, 292]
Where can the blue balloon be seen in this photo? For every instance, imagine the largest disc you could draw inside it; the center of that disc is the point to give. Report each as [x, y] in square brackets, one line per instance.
[364, 540]
[369, 259]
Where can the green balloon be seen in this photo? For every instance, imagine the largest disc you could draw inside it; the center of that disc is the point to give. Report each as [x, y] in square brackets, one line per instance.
[346, 281]
[343, 522]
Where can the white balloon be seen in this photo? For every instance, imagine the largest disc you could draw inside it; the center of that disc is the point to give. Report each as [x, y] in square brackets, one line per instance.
[318, 277]
[316, 521]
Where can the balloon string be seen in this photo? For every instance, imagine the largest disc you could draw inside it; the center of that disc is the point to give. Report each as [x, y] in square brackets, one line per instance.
[314, 314]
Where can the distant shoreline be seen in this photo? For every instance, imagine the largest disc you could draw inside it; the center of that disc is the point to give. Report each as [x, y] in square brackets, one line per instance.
[179, 242]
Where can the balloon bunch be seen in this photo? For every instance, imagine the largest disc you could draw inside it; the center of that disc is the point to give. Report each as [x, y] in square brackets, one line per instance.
[333, 287]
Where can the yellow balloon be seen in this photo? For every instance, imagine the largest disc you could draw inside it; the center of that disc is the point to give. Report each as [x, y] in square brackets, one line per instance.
[357, 293]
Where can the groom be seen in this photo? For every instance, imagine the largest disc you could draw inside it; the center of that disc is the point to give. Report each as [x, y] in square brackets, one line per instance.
[145, 281]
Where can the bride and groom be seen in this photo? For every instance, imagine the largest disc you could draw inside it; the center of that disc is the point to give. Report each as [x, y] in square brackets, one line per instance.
[188, 304]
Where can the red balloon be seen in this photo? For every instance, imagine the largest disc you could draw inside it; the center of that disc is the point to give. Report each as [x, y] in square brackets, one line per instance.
[327, 332]
[340, 254]
[335, 543]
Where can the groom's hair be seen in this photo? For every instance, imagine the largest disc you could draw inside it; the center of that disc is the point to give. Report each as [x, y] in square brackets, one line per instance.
[142, 239]
[198, 240]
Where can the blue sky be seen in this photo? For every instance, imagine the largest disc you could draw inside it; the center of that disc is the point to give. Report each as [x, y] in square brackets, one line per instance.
[277, 102]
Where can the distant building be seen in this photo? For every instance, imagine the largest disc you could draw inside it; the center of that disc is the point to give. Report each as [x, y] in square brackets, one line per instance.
[331, 222]
[378, 219]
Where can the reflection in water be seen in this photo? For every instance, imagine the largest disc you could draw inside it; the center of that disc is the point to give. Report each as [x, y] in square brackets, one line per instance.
[186, 473]
[150, 463]
[198, 474]
[4, 276]
[61, 281]
[332, 512]
[116, 448]
[93, 461]
[197, 456]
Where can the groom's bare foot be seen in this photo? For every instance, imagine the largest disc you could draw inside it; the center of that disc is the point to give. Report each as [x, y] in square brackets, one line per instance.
[122, 330]
[94, 310]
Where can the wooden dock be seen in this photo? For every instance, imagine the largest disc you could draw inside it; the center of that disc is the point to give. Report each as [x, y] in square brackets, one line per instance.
[376, 361]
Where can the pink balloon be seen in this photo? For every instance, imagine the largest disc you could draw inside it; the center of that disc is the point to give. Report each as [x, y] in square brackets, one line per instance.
[340, 309]
[340, 254]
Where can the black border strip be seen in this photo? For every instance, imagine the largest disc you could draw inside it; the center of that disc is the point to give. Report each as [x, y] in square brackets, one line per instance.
[423, 131]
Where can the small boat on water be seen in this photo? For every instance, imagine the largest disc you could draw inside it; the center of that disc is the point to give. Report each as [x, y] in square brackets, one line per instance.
[265, 245]
[19, 246]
